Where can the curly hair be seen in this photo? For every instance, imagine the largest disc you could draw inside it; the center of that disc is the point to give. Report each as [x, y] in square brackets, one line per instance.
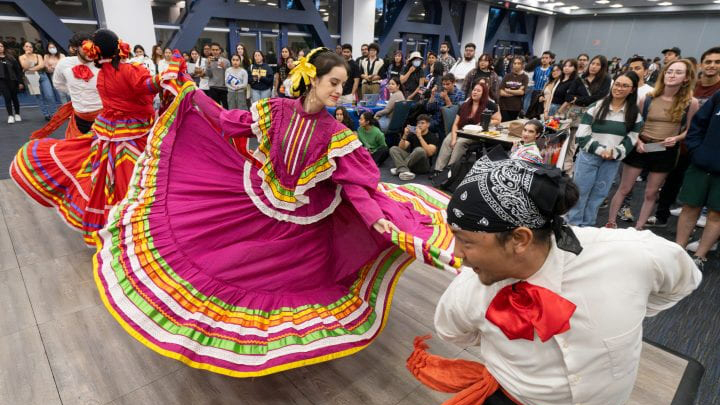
[684, 96]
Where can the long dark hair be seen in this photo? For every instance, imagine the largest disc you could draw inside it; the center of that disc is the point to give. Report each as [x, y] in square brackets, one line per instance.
[107, 42]
[324, 60]
[574, 74]
[369, 118]
[599, 76]
[347, 121]
[631, 108]
[397, 81]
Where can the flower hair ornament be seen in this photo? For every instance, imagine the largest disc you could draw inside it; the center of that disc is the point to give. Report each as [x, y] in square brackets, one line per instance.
[304, 71]
[123, 49]
[91, 51]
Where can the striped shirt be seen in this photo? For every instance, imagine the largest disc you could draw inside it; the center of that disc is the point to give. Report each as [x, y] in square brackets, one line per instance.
[610, 133]
[540, 77]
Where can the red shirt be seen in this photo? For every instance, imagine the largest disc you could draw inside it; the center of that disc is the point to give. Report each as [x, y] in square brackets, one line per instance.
[125, 93]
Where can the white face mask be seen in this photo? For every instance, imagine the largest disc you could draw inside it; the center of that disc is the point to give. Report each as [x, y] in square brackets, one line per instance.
[417, 63]
[52, 51]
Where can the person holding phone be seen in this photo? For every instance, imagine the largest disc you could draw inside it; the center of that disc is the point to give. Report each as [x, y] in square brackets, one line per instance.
[413, 153]
[216, 67]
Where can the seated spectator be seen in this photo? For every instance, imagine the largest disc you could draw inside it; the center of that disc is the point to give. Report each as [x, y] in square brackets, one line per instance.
[449, 95]
[413, 153]
[471, 112]
[384, 116]
[372, 138]
[701, 187]
[342, 115]
[526, 149]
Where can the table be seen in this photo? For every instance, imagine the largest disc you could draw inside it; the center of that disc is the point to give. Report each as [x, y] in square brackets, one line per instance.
[504, 139]
[353, 110]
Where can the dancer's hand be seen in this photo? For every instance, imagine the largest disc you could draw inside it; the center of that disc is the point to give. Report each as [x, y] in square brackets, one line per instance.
[384, 226]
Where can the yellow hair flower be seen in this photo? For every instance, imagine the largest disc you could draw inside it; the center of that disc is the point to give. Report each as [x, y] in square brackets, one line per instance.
[304, 71]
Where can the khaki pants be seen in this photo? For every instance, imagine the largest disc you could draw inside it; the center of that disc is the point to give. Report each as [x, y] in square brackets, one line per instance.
[415, 161]
[368, 88]
[447, 155]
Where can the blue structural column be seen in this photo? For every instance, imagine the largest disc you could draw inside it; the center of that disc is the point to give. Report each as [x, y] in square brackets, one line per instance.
[201, 11]
[45, 20]
[402, 25]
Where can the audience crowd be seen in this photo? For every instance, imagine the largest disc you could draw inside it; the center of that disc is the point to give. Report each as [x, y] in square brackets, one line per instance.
[656, 119]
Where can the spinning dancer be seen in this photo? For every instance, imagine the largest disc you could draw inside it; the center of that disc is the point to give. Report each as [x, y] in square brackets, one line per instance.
[250, 264]
[83, 177]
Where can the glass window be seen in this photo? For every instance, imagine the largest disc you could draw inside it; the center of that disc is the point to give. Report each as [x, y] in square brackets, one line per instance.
[168, 11]
[271, 3]
[419, 12]
[163, 36]
[10, 10]
[72, 8]
[330, 12]
[457, 13]
[208, 37]
[15, 33]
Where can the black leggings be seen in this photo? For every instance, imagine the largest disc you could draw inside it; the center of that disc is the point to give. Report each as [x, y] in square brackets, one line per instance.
[9, 91]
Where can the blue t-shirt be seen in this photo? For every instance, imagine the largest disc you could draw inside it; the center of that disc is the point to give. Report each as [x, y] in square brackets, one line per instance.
[541, 77]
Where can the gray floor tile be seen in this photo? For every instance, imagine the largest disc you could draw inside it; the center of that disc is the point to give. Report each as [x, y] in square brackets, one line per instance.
[7, 252]
[16, 313]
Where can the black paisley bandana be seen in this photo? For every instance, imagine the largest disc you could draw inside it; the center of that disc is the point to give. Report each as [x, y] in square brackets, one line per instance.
[501, 195]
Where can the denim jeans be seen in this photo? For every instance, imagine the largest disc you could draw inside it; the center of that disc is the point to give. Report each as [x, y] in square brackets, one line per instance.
[260, 94]
[594, 176]
[46, 99]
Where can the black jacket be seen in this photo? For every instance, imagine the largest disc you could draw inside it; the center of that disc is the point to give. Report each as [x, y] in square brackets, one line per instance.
[703, 137]
[579, 91]
[13, 68]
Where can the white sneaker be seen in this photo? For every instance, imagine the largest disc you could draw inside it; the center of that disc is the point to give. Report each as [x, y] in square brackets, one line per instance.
[11, 120]
[406, 176]
[639, 179]
[693, 246]
[701, 221]
[676, 211]
[393, 171]
[17, 118]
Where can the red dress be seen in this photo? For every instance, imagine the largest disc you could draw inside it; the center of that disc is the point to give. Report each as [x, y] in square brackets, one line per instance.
[84, 177]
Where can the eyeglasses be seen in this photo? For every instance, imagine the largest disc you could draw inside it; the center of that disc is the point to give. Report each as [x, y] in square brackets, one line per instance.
[622, 86]
[675, 72]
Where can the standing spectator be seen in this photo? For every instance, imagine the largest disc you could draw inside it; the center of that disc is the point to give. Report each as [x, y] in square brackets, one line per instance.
[236, 80]
[164, 63]
[569, 79]
[11, 81]
[449, 94]
[372, 138]
[708, 85]
[215, 71]
[594, 85]
[701, 186]
[709, 82]
[653, 71]
[608, 131]
[364, 51]
[670, 55]
[512, 90]
[447, 60]
[639, 65]
[261, 77]
[464, 65]
[665, 111]
[370, 68]
[157, 56]
[143, 59]
[556, 74]
[196, 65]
[51, 59]
[483, 70]
[413, 153]
[384, 116]
[338, 49]
[540, 77]
[350, 88]
[287, 84]
[283, 71]
[396, 67]
[412, 77]
[244, 58]
[582, 61]
[204, 82]
[38, 82]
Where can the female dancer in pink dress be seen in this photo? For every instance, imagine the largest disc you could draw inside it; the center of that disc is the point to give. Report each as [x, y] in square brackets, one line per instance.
[248, 264]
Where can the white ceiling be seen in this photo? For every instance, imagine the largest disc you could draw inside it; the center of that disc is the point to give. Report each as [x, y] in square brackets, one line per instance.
[580, 7]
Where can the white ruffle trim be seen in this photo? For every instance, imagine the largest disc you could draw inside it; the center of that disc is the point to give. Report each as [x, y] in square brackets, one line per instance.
[281, 216]
[300, 191]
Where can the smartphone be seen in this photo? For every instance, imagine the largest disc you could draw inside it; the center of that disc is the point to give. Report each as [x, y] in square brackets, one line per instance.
[411, 128]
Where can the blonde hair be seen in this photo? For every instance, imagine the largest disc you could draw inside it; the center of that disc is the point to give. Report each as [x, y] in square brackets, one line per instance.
[684, 96]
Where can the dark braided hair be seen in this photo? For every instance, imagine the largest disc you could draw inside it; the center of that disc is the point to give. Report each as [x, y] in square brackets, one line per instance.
[107, 42]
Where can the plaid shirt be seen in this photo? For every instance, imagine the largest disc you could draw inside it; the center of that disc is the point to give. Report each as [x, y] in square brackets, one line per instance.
[434, 105]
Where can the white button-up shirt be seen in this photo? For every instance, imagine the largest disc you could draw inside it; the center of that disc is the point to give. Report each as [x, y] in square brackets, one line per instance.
[620, 277]
[83, 95]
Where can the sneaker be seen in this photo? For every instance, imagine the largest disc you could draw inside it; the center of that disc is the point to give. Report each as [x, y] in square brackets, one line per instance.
[406, 176]
[701, 221]
[625, 214]
[17, 118]
[699, 262]
[693, 246]
[639, 179]
[604, 203]
[653, 221]
[393, 171]
[676, 211]
[48, 117]
[11, 120]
